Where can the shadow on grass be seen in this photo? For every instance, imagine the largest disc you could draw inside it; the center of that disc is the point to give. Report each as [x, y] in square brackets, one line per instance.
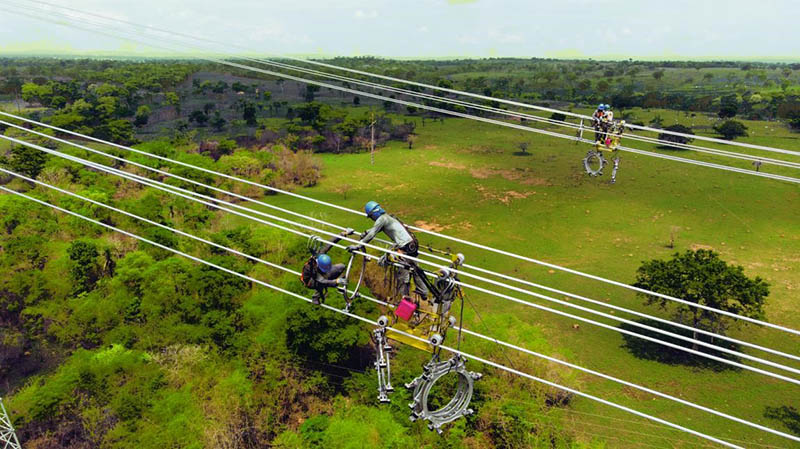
[786, 415]
[521, 153]
[670, 148]
[648, 350]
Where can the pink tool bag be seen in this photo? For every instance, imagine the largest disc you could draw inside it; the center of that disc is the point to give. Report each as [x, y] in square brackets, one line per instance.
[405, 309]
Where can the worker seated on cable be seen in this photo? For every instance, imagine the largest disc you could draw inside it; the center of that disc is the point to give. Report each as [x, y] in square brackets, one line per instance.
[404, 243]
[319, 272]
[597, 122]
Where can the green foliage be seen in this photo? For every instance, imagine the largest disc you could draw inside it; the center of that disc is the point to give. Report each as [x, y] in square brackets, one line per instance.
[318, 334]
[729, 106]
[678, 128]
[142, 115]
[84, 267]
[731, 129]
[701, 277]
[27, 161]
[351, 428]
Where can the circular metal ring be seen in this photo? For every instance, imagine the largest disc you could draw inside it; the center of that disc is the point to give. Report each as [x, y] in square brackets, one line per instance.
[587, 163]
[348, 298]
[457, 407]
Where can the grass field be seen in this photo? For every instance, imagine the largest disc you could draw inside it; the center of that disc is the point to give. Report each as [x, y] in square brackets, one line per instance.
[464, 179]
[469, 180]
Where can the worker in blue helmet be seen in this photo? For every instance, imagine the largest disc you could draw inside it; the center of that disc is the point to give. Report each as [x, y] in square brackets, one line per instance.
[319, 272]
[598, 122]
[405, 242]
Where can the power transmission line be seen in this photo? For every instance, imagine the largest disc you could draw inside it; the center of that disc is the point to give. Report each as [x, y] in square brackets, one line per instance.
[411, 83]
[427, 107]
[339, 227]
[371, 322]
[191, 196]
[527, 129]
[533, 130]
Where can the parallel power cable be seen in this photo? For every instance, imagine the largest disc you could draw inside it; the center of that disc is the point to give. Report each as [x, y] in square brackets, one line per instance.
[518, 127]
[668, 297]
[191, 196]
[421, 106]
[460, 327]
[371, 322]
[413, 83]
[752, 320]
[579, 297]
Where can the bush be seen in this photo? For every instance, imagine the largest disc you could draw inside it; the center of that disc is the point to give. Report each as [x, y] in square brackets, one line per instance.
[731, 129]
[676, 139]
[27, 161]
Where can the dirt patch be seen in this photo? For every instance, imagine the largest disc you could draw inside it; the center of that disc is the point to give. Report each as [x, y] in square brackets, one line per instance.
[481, 173]
[535, 182]
[504, 197]
[451, 165]
[394, 187]
[696, 246]
[430, 226]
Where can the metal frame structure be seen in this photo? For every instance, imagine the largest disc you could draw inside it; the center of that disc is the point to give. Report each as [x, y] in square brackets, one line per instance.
[8, 437]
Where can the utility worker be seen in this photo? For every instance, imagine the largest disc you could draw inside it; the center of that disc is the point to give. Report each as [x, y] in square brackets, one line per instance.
[404, 243]
[597, 122]
[319, 272]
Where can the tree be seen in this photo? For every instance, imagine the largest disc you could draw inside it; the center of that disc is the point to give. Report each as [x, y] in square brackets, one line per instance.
[218, 122]
[317, 334]
[657, 121]
[249, 113]
[142, 115]
[729, 106]
[731, 129]
[356, 101]
[658, 74]
[173, 99]
[676, 139]
[27, 161]
[311, 90]
[198, 117]
[84, 267]
[701, 277]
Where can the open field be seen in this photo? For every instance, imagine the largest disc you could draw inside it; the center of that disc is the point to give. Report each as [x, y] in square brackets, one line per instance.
[463, 178]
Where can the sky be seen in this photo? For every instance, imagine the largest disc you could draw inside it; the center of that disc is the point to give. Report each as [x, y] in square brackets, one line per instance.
[616, 29]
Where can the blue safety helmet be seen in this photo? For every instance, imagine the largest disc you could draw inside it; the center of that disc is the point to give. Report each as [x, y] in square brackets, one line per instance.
[607, 106]
[601, 107]
[373, 210]
[324, 263]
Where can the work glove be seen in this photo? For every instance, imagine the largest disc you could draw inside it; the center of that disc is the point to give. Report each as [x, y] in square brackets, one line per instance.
[342, 282]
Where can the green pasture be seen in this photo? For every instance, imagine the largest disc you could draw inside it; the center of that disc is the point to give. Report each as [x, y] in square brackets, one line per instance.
[468, 179]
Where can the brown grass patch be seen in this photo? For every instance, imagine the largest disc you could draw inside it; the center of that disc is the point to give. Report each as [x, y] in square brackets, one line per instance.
[451, 165]
[430, 226]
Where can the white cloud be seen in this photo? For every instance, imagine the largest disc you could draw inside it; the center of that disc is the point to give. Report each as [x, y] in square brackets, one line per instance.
[361, 14]
[503, 37]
